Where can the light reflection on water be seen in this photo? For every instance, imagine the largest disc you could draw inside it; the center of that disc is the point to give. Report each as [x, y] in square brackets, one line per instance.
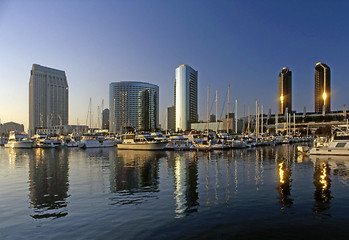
[148, 193]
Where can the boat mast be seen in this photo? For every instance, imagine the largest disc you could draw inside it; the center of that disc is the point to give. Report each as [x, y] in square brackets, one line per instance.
[90, 115]
[216, 111]
[294, 123]
[228, 110]
[276, 122]
[208, 103]
[249, 120]
[262, 120]
[236, 116]
[256, 118]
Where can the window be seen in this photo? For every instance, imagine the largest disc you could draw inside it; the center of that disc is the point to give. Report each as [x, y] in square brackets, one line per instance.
[340, 145]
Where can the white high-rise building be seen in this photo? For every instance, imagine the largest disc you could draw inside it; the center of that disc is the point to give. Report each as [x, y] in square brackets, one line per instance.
[48, 98]
[186, 97]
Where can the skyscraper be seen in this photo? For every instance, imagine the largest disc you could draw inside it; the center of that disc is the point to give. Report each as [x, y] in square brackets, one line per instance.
[322, 87]
[48, 98]
[186, 97]
[105, 118]
[285, 91]
[133, 105]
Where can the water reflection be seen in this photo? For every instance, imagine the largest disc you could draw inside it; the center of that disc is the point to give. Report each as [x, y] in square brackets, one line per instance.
[322, 183]
[284, 187]
[48, 183]
[186, 182]
[134, 176]
[18, 157]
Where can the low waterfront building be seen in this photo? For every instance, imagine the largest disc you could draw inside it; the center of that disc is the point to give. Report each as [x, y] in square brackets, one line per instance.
[10, 126]
[64, 129]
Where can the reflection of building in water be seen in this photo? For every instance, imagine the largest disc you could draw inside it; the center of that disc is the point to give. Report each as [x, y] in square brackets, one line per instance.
[134, 172]
[322, 183]
[284, 187]
[48, 177]
[186, 184]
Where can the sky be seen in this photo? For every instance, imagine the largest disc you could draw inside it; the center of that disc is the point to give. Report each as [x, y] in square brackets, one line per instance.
[244, 44]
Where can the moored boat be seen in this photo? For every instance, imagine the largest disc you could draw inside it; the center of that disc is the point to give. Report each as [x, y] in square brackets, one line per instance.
[95, 141]
[339, 145]
[19, 140]
[134, 141]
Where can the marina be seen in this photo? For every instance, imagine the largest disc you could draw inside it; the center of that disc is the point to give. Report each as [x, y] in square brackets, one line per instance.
[267, 192]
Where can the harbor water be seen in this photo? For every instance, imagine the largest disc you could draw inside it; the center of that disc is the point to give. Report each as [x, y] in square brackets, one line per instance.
[256, 193]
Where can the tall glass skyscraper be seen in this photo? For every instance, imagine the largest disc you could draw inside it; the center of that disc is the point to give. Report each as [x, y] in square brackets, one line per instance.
[285, 91]
[48, 98]
[133, 105]
[322, 87]
[186, 97]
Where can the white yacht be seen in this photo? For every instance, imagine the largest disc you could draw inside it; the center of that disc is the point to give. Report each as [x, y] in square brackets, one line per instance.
[339, 145]
[42, 141]
[133, 141]
[95, 141]
[19, 140]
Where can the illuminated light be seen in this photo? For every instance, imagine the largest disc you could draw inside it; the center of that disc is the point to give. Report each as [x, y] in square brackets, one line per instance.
[324, 96]
[282, 98]
[281, 172]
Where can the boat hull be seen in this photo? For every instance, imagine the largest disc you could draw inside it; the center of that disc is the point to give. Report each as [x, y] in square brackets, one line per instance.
[96, 144]
[19, 145]
[329, 151]
[142, 146]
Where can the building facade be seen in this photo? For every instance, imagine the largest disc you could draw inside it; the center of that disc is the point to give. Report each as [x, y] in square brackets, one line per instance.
[105, 118]
[285, 91]
[133, 105]
[48, 98]
[6, 128]
[322, 87]
[186, 97]
[171, 118]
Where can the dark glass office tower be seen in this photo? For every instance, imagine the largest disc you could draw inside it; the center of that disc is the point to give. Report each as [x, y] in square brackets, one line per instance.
[285, 90]
[322, 87]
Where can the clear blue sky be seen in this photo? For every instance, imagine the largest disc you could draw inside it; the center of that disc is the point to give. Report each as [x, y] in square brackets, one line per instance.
[241, 43]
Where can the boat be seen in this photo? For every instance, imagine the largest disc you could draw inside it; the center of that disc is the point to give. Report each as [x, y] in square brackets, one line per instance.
[70, 142]
[338, 145]
[94, 141]
[133, 141]
[42, 141]
[19, 140]
[178, 142]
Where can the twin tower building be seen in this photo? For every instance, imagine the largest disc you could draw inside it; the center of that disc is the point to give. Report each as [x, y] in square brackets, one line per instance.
[322, 89]
[135, 105]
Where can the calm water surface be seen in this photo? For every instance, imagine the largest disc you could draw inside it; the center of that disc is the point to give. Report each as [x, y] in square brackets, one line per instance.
[261, 193]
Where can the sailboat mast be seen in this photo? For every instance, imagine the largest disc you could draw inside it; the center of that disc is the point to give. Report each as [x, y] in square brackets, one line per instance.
[216, 111]
[228, 110]
[208, 103]
[236, 116]
[262, 120]
[256, 127]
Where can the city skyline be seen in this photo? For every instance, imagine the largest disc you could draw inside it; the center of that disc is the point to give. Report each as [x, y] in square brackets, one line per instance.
[237, 44]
